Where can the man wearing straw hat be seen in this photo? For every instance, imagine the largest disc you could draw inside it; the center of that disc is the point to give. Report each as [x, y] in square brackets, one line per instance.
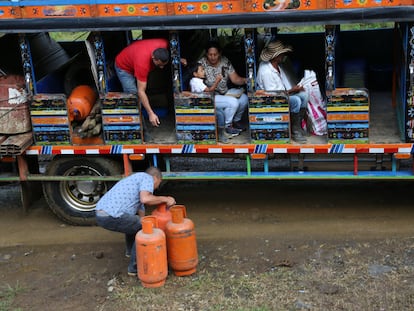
[271, 77]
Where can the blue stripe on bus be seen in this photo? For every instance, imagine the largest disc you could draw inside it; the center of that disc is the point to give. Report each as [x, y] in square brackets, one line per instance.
[116, 149]
[46, 150]
[337, 148]
[187, 149]
[260, 148]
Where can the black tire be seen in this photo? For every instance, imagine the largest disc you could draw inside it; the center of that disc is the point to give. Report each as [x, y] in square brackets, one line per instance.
[74, 201]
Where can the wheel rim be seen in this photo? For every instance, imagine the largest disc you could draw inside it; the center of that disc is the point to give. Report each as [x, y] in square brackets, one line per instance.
[82, 195]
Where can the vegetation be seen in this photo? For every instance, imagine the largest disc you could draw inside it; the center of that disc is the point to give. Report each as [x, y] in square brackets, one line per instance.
[69, 36]
[333, 278]
[7, 295]
[137, 34]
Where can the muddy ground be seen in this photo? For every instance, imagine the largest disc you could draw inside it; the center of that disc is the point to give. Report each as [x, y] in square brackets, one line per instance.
[261, 245]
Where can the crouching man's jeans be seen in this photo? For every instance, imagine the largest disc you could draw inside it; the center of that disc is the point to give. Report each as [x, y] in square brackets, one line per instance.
[128, 224]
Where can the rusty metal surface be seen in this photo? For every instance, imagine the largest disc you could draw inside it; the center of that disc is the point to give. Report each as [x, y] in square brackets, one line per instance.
[15, 120]
[16, 144]
[2, 138]
[14, 108]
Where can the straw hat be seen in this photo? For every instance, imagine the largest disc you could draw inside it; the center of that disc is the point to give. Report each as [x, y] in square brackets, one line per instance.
[274, 49]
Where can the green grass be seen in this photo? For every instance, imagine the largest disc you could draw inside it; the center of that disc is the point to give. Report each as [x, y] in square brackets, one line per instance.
[332, 278]
[69, 36]
[7, 295]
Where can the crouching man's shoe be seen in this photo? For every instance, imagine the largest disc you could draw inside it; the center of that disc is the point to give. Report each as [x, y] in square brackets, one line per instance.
[232, 131]
[239, 126]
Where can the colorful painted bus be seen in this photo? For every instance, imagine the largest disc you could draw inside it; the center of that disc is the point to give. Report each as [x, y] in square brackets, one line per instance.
[361, 51]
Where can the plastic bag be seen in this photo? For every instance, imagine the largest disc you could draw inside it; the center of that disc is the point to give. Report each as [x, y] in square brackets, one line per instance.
[316, 105]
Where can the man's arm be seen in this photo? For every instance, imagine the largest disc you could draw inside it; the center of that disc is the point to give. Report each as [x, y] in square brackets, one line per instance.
[150, 199]
[296, 89]
[153, 118]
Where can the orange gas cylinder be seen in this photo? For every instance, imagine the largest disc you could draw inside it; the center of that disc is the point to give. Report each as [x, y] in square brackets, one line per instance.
[151, 250]
[80, 102]
[181, 242]
[163, 215]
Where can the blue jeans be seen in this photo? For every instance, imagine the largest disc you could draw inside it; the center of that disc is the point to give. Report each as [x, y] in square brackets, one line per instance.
[233, 107]
[128, 224]
[129, 85]
[128, 81]
[298, 101]
[220, 116]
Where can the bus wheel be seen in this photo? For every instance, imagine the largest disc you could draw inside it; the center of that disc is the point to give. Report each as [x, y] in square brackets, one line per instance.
[74, 201]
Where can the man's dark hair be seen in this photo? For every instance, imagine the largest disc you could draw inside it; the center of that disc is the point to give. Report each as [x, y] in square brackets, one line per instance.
[161, 54]
[154, 171]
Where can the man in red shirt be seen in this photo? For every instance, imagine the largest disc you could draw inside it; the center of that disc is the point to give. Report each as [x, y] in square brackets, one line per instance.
[133, 65]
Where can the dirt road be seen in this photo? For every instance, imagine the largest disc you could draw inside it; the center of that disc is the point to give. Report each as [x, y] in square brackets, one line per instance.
[242, 228]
